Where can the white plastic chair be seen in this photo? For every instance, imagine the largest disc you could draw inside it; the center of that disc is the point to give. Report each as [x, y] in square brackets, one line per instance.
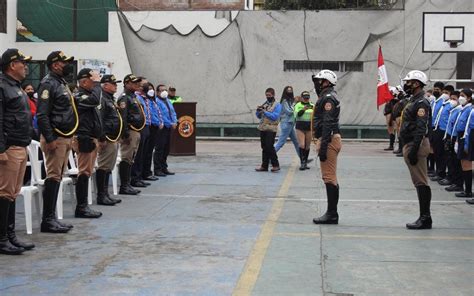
[28, 192]
[115, 174]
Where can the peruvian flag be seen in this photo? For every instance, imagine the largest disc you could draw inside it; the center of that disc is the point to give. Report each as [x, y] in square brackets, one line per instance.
[383, 94]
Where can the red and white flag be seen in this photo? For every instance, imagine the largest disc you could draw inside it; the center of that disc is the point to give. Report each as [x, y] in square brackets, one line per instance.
[383, 94]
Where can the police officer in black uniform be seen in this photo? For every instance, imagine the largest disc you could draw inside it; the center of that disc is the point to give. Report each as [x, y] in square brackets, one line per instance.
[328, 140]
[15, 135]
[133, 122]
[415, 129]
[58, 120]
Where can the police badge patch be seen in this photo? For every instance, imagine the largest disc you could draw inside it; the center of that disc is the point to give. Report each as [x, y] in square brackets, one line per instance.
[45, 94]
[421, 112]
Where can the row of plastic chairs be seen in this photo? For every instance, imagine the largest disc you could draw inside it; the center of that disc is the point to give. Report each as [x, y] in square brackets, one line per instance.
[35, 189]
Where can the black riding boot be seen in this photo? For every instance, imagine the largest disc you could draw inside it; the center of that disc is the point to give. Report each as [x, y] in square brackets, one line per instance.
[49, 222]
[82, 209]
[306, 156]
[125, 187]
[467, 176]
[331, 216]
[6, 247]
[11, 230]
[102, 198]
[424, 200]
[392, 141]
[302, 159]
[106, 189]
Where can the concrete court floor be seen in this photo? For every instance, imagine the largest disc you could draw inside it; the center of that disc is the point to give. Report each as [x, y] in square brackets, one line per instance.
[219, 228]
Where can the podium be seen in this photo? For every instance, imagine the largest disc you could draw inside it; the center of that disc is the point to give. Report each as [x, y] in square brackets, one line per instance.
[183, 138]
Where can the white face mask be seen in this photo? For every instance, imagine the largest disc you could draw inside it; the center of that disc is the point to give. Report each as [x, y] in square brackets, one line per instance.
[35, 95]
[444, 97]
[462, 100]
[164, 94]
[151, 93]
[453, 103]
[431, 98]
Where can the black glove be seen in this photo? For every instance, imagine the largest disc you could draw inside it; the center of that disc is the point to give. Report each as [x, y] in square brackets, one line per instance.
[413, 157]
[322, 156]
[86, 144]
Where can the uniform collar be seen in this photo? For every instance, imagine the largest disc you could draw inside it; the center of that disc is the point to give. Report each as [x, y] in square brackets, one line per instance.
[57, 77]
[326, 91]
[10, 79]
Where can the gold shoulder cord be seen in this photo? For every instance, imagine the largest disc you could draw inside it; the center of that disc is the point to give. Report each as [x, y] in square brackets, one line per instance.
[120, 130]
[73, 104]
[311, 125]
[144, 117]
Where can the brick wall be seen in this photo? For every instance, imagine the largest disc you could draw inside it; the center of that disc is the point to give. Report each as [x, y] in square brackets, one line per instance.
[128, 5]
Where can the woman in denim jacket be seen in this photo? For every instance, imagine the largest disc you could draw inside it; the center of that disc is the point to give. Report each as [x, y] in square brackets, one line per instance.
[287, 120]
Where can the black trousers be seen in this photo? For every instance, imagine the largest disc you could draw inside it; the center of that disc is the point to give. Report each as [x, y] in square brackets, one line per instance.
[162, 149]
[137, 166]
[148, 157]
[439, 152]
[267, 140]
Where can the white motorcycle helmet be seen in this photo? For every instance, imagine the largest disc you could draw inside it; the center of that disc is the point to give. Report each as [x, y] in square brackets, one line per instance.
[417, 75]
[328, 75]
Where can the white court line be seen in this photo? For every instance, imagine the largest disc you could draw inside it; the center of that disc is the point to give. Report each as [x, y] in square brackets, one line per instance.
[303, 199]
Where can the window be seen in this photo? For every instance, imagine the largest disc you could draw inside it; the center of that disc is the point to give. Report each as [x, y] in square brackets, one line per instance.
[38, 69]
[352, 66]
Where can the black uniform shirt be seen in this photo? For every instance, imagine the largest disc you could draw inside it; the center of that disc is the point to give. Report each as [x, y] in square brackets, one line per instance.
[326, 116]
[132, 112]
[88, 106]
[110, 116]
[416, 118]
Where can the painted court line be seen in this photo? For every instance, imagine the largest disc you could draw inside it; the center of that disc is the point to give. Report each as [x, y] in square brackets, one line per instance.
[369, 236]
[252, 268]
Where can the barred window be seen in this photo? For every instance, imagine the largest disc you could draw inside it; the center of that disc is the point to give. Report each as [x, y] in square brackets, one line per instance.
[338, 66]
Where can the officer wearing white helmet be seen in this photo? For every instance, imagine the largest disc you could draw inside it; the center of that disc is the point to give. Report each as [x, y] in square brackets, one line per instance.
[328, 139]
[415, 129]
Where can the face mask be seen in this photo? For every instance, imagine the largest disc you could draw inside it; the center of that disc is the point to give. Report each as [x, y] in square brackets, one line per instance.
[436, 93]
[151, 93]
[35, 96]
[164, 94]
[30, 94]
[408, 88]
[270, 99]
[444, 97]
[453, 103]
[318, 87]
[462, 101]
[68, 69]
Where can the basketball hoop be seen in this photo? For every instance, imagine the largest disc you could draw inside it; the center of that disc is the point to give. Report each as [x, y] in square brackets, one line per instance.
[453, 35]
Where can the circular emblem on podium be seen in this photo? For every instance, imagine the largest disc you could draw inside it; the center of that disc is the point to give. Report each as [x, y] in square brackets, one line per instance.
[186, 126]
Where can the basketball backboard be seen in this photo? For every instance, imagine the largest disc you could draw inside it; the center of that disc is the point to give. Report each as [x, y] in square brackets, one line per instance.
[448, 32]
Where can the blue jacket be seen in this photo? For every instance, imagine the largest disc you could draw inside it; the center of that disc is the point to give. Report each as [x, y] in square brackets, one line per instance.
[145, 108]
[452, 120]
[287, 112]
[461, 125]
[168, 113]
[436, 106]
[467, 135]
[273, 116]
[156, 116]
[443, 113]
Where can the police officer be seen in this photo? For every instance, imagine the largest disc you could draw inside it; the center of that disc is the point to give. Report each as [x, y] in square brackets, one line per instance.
[112, 126]
[15, 135]
[415, 129]
[58, 120]
[328, 143]
[133, 122]
[173, 97]
[85, 141]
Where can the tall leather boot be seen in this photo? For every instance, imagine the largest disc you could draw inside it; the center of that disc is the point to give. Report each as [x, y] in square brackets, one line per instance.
[424, 200]
[125, 187]
[49, 222]
[392, 141]
[302, 159]
[331, 216]
[306, 156]
[82, 208]
[11, 230]
[102, 198]
[106, 189]
[467, 176]
[5, 246]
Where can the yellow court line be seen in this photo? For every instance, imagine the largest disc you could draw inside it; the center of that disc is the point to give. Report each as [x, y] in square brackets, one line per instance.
[396, 237]
[249, 276]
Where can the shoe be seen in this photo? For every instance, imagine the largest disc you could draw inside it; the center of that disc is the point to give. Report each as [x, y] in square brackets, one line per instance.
[168, 172]
[11, 234]
[64, 224]
[454, 188]
[151, 178]
[160, 174]
[470, 201]
[397, 151]
[436, 178]
[137, 183]
[275, 169]
[327, 218]
[105, 201]
[261, 169]
[424, 222]
[6, 246]
[125, 190]
[106, 189]
[445, 182]
[424, 200]
[463, 194]
[390, 148]
[86, 212]
[124, 171]
[52, 226]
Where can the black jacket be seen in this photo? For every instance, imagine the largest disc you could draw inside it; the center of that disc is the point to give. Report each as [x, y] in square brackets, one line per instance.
[132, 113]
[110, 117]
[88, 106]
[55, 113]
[15, 116]
[398, 108]
[326, 117]
[416, 120]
